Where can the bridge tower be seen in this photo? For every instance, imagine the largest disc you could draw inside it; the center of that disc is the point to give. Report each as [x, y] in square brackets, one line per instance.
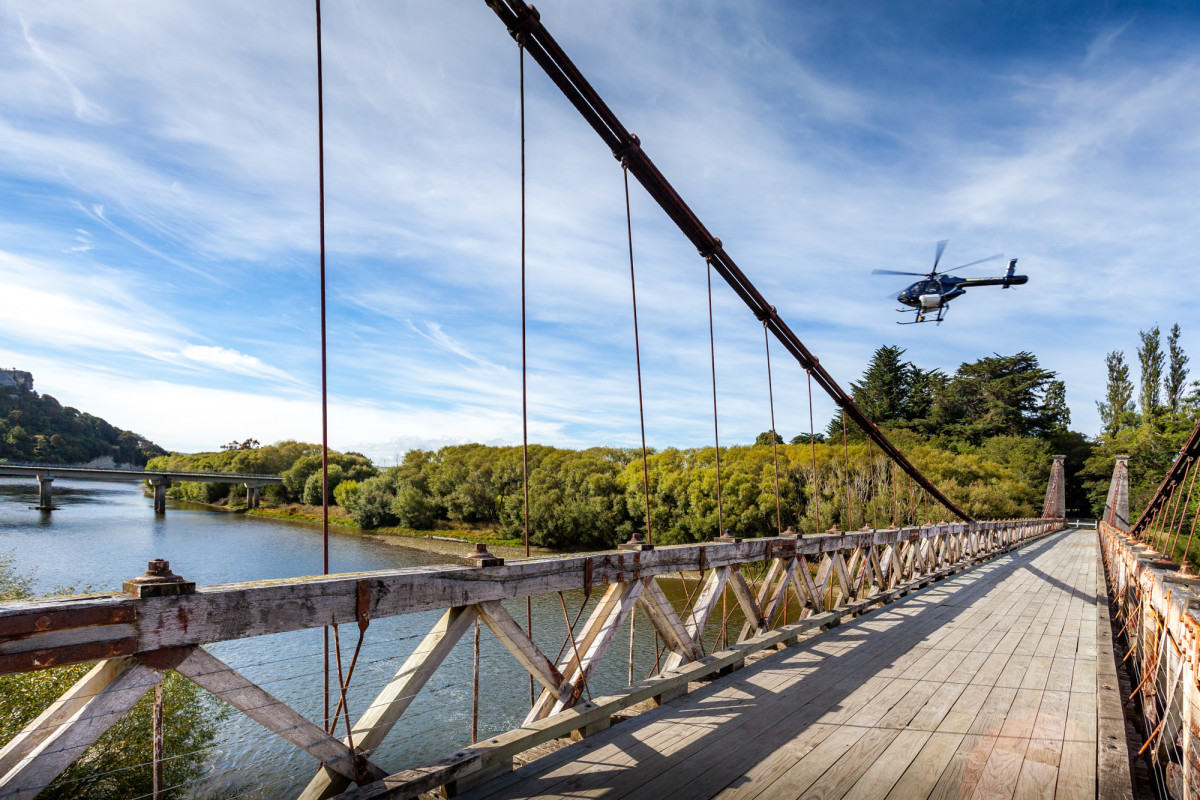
[1056, 492]
[1116, 506]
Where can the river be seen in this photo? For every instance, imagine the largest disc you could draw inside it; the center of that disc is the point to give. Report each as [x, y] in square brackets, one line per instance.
[103, 533]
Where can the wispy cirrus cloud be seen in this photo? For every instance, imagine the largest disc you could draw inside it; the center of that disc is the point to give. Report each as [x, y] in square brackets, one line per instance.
[141, 150]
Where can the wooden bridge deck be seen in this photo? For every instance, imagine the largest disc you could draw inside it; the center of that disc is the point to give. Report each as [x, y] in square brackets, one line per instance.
[983, 685]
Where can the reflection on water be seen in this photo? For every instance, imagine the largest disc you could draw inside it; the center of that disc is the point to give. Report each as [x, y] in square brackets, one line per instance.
[104, 533]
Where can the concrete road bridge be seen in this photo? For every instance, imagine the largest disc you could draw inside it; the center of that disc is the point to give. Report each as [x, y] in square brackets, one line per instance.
[159, 480]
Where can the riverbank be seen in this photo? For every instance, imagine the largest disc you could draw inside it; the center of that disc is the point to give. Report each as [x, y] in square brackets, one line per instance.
[451, 541]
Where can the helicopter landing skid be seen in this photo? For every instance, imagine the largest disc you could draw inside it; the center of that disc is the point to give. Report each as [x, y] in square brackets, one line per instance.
[921, 317]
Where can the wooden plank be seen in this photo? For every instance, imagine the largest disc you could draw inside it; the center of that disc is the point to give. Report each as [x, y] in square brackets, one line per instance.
[1112, 753]
[569, 667]
[505, 746]
[209, 672]
[780, 594]
[671, 735]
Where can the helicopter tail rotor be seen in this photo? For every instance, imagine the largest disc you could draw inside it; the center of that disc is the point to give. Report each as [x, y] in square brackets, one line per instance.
[1012, 268]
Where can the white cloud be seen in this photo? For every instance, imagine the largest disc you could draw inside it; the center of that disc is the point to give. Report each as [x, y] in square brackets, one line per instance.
[183, 138]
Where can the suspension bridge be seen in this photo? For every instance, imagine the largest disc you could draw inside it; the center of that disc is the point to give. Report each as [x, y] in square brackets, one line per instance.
[915, 657]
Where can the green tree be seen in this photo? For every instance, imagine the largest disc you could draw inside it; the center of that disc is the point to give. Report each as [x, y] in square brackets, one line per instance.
[1055, 410]
[312, 486]
[1117, 410]
[1151, 359]
[1175, 380]
[768, 438]
[807, 438]
[999, 395]
[883, 391]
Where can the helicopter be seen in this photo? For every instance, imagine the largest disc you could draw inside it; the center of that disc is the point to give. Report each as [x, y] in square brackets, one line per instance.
[935, 290]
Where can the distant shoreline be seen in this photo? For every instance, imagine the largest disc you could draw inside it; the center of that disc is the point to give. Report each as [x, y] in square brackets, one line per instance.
[455, 542]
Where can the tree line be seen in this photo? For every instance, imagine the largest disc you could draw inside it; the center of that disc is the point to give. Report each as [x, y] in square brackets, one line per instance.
[1148, 420]
[984, 435]
[36, 427]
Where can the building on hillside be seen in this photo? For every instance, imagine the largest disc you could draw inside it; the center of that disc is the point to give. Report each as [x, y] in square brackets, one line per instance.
[11, 379]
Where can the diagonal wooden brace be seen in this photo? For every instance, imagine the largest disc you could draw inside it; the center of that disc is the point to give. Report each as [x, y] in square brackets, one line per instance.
[209, 672]
[665, 620]
[92, 706]
[514, 638]
[606, 618]
[702, 611]
[385, 711]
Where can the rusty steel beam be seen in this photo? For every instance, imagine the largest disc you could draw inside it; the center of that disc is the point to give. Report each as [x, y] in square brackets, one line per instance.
[1191, 450]
[524, 24]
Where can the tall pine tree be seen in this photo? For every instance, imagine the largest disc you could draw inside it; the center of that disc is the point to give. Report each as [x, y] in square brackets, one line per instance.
[1151, 360]
[1175, 381]
[1118, 400]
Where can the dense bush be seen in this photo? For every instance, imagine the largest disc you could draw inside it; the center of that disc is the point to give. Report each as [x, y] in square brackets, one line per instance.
[35, 427]
[296, 462]
[582, 499]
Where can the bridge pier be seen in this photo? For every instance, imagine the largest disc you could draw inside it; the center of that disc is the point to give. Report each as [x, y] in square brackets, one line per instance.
[1116, 507]
[252, 493]
[160, 494]
[45, 493]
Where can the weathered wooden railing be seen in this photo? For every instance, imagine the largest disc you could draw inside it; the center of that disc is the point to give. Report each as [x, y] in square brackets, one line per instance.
[1162, 633]
[162, 622]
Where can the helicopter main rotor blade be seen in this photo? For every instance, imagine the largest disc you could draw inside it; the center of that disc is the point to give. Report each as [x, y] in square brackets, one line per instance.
[895, 272]
[980, 261]
[941, 248]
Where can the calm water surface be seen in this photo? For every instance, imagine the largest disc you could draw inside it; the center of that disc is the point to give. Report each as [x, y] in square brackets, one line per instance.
[104, 533]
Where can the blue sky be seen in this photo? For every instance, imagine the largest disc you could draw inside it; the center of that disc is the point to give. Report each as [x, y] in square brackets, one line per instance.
[158, 214]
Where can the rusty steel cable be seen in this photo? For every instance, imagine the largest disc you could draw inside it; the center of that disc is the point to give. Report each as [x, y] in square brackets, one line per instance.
[524, 22]
[846, 450]
[337, 650]
[524, 357]
[324, 360]
[1187, 504]
[1190, 449]
[1180, 505]
[637, 351]
[475, 687]
[812, 440]
[712, 349]
[575, 647]
[1188, 547]
[774, 435]
[895, 496]
[874, 504]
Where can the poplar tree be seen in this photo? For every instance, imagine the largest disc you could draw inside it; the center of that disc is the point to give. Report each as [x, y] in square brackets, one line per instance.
[1176, 379]
[1118, 402]
[1151, 360]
